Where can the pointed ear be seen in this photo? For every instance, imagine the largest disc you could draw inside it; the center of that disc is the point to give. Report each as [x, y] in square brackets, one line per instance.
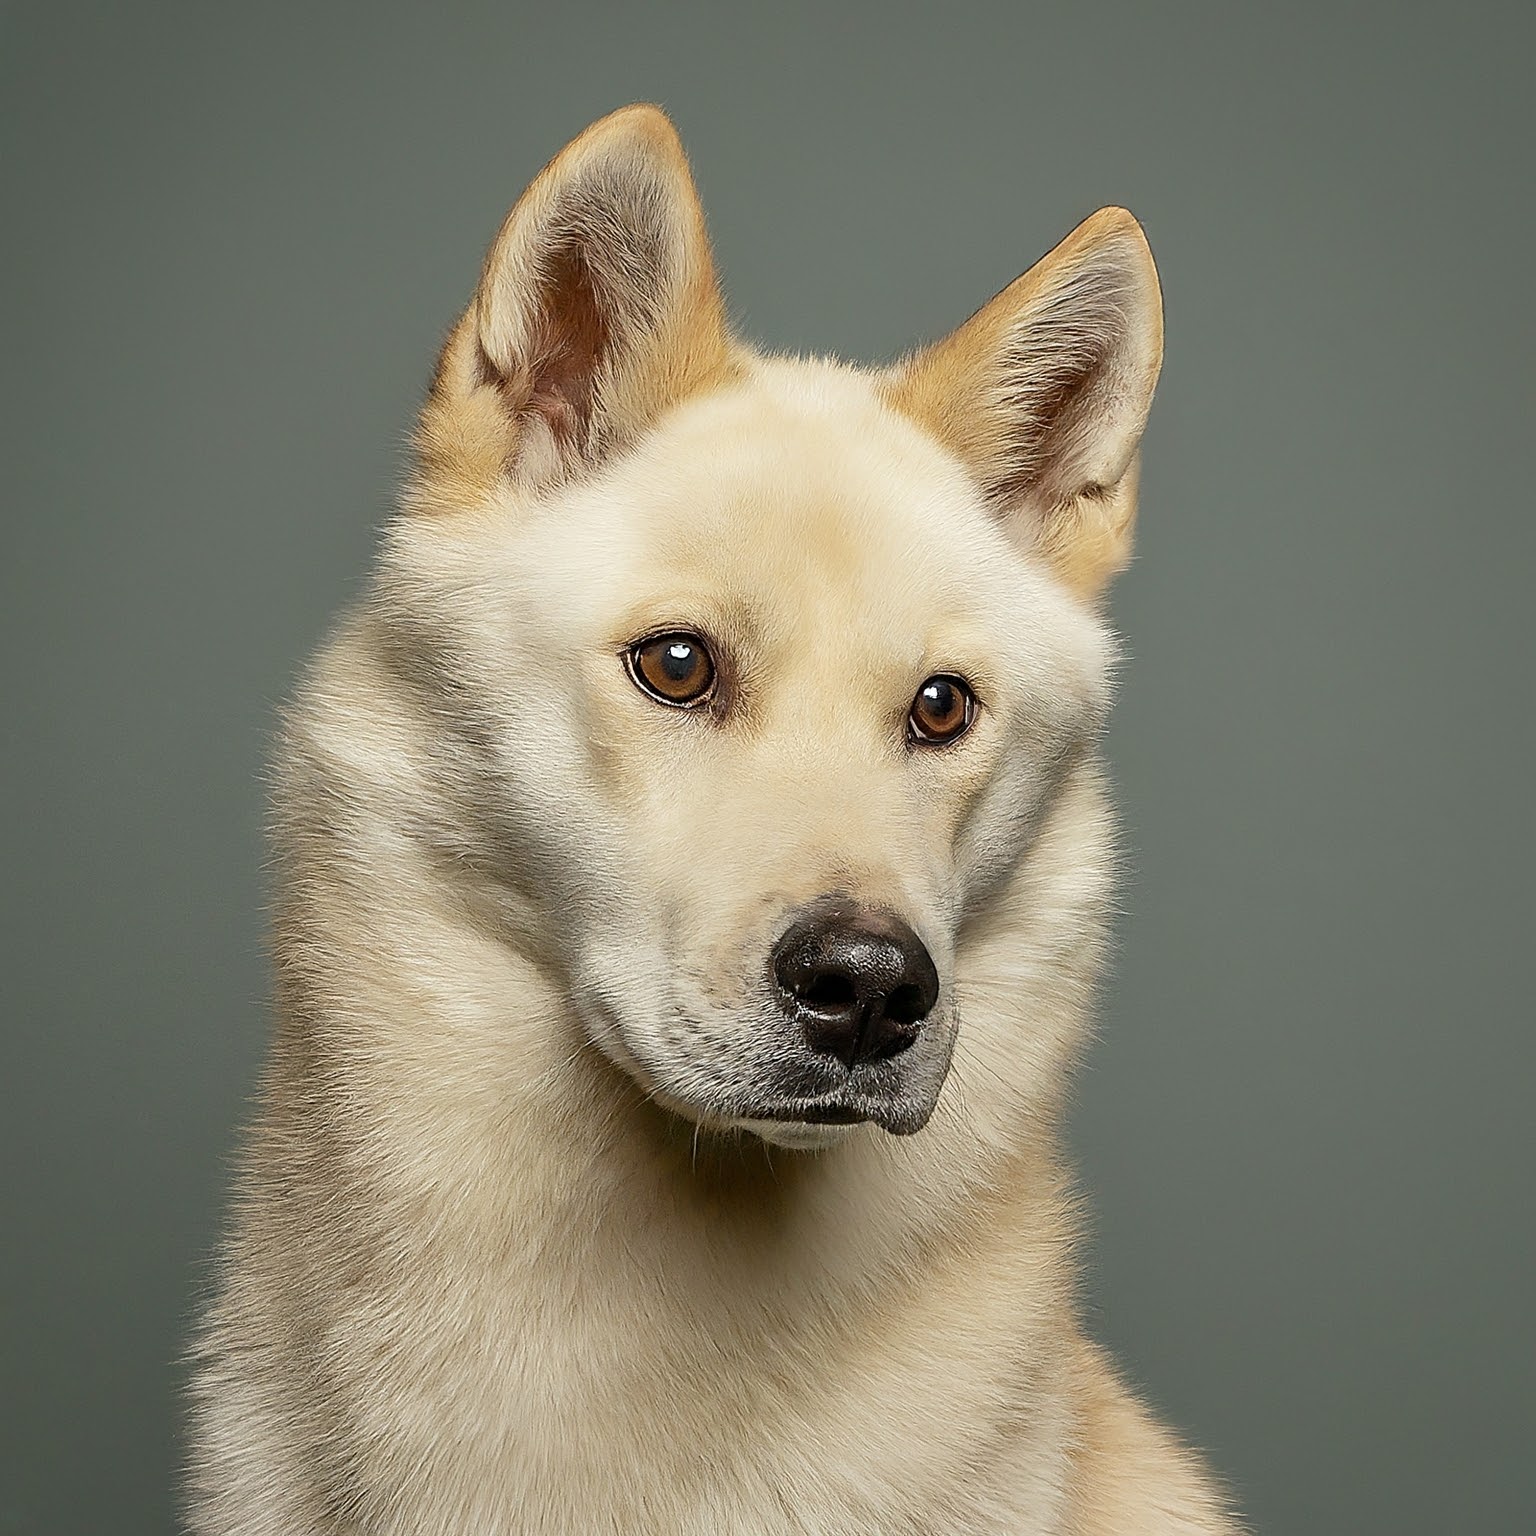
[597, 309]
[1043, 394]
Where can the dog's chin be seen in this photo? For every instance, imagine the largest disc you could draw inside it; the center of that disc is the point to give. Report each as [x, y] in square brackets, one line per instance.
[806, 1125]
[802, 1135]
[809, 1135]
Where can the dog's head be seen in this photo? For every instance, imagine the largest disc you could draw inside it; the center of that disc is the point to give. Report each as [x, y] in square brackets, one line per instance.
[755, 676]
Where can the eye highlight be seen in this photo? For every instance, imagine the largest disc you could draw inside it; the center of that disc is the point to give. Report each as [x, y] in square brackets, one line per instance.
[674, 669]
[942, 711]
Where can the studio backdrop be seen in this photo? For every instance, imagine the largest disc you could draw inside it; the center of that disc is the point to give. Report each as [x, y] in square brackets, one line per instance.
[233, 239]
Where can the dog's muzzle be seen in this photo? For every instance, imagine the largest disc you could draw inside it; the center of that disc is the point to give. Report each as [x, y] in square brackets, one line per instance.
[856, 988]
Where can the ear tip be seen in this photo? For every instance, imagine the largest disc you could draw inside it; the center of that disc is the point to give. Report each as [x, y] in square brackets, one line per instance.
[1116, 233]
[1114, 217]
[1114, 225]
[641, 122]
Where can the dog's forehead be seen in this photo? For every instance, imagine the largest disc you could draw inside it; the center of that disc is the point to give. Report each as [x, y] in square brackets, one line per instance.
[796, 506]
[803, 448]
[801, 482]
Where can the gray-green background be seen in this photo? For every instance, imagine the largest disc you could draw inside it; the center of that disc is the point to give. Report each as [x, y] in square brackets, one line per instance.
[230, 238]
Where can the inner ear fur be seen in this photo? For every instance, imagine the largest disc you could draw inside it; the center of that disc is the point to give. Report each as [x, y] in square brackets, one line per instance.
[597, 309]
[1043, 394]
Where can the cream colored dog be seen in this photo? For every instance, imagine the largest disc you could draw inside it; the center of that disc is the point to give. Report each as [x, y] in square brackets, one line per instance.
[692, 873]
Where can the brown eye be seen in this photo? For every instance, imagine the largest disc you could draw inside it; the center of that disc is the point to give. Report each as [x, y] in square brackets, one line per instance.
[674, 669]
[942, 711]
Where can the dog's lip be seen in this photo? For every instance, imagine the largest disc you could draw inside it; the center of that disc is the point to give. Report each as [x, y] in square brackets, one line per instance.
[898, 1115]
[819, 1114]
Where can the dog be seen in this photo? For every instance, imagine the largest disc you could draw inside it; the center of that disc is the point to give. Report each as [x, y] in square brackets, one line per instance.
[692, 864]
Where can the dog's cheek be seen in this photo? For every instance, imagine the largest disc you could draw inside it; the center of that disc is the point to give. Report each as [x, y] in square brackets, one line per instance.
[993, 835]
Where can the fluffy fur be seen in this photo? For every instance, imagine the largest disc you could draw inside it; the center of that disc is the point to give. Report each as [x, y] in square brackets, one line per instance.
[512, 1249]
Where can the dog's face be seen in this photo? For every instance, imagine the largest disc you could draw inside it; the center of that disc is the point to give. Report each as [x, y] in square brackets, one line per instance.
[765, 669]
[815, 696]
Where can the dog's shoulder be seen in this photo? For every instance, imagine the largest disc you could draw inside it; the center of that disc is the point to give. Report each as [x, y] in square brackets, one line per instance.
[1131, 1474]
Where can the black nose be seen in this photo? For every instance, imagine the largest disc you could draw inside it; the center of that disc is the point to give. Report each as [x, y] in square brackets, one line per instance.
[858, 980]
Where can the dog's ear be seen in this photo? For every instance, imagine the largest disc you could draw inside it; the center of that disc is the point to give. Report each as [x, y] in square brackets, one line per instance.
[597, 308]
[1043, 394]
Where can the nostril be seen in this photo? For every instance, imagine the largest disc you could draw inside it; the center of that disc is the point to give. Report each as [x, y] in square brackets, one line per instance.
[828, 992]
[907, 1004]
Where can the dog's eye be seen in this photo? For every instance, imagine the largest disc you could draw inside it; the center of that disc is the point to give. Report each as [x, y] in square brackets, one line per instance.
[942, 711]
[674, 669]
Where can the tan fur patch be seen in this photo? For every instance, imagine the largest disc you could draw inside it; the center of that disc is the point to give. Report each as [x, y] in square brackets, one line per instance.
[588, 343]
[1044, 391]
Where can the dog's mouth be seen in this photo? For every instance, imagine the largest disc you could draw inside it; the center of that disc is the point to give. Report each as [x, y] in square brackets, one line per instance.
[822, 1114]
[802, 1135]
[814, 1124]
[900, 1113]
[815, 1121]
